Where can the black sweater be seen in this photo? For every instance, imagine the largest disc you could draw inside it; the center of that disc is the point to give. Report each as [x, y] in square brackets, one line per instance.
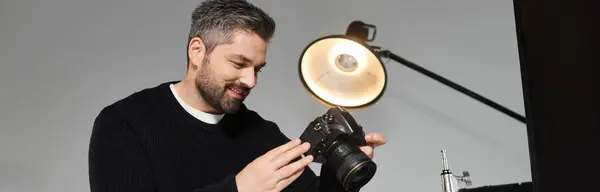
[148, 142]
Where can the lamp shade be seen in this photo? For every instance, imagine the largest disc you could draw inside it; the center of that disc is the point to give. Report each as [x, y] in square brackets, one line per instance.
[342, 72]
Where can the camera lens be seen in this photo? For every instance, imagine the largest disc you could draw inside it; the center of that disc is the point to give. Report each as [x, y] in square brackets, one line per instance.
[362, 173]
[353, 168]
[358, 175]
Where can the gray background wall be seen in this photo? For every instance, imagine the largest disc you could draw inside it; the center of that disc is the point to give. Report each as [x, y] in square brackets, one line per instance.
[61, 61]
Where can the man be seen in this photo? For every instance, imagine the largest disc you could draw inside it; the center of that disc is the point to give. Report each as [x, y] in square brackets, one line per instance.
[196, 134]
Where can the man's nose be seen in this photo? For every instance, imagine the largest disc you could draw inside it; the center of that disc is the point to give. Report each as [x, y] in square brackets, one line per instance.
[249, 78]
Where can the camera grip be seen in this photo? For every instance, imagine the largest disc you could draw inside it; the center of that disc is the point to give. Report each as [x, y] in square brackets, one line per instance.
[313, 136]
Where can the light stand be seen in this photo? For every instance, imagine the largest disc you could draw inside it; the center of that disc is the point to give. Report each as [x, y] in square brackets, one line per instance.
[449, 180]
[388, 54]
[360, 30]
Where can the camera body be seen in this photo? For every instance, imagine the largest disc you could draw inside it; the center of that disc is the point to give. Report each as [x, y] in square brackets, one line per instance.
[335, 139]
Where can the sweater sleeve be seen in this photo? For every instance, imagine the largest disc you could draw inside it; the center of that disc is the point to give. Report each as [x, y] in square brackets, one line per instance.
[116, 158]
[308, 180]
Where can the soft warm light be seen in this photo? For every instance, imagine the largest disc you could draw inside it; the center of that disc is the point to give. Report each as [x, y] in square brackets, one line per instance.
[347, 47]
[327, 80]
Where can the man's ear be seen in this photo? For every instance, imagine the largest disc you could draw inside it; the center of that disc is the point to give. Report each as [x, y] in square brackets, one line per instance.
[196, 53]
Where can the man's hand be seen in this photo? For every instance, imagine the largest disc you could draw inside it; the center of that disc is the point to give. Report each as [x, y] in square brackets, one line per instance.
[373, 140]
[273, 170]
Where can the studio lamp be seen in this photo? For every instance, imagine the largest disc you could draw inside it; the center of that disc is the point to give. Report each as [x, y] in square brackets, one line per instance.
[343, 70]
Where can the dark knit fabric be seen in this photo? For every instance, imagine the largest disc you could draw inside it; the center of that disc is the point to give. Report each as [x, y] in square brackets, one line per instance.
[148, 142]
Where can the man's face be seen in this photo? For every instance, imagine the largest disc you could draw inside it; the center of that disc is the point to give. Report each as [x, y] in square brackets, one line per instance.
[225, 77]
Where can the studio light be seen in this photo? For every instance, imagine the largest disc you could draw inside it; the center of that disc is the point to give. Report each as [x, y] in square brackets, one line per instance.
[340, 70]
[343, 70]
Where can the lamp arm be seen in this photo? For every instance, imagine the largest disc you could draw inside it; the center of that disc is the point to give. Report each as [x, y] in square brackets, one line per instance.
[392, 56]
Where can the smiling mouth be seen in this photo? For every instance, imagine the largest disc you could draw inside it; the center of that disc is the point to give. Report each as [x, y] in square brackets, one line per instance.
[238, 92]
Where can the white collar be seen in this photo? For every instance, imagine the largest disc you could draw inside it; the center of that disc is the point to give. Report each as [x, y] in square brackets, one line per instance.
[200, 115]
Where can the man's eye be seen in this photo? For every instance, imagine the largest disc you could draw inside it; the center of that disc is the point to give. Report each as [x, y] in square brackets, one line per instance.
[238, 65]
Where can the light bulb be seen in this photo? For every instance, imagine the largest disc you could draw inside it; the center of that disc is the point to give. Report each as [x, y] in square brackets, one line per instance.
[346, 62]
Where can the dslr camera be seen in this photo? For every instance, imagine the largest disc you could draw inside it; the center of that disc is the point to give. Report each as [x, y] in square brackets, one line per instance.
[334, 139]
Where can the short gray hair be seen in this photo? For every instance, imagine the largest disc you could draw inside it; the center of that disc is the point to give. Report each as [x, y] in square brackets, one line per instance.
[215, 21]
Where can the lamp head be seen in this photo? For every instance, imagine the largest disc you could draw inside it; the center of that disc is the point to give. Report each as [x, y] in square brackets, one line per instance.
[342, 70]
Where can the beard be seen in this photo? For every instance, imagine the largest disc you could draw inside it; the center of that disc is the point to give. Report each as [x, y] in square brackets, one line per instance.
[214, 93]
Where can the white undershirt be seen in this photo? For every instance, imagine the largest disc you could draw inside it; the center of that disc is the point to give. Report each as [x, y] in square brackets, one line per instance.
[202, 116]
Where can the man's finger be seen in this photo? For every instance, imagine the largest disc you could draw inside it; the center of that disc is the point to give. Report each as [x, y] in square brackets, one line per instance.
[287, 181]
[285, 158]
[368, 150]
[290, 169]
[375, 139]
[282, 148]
